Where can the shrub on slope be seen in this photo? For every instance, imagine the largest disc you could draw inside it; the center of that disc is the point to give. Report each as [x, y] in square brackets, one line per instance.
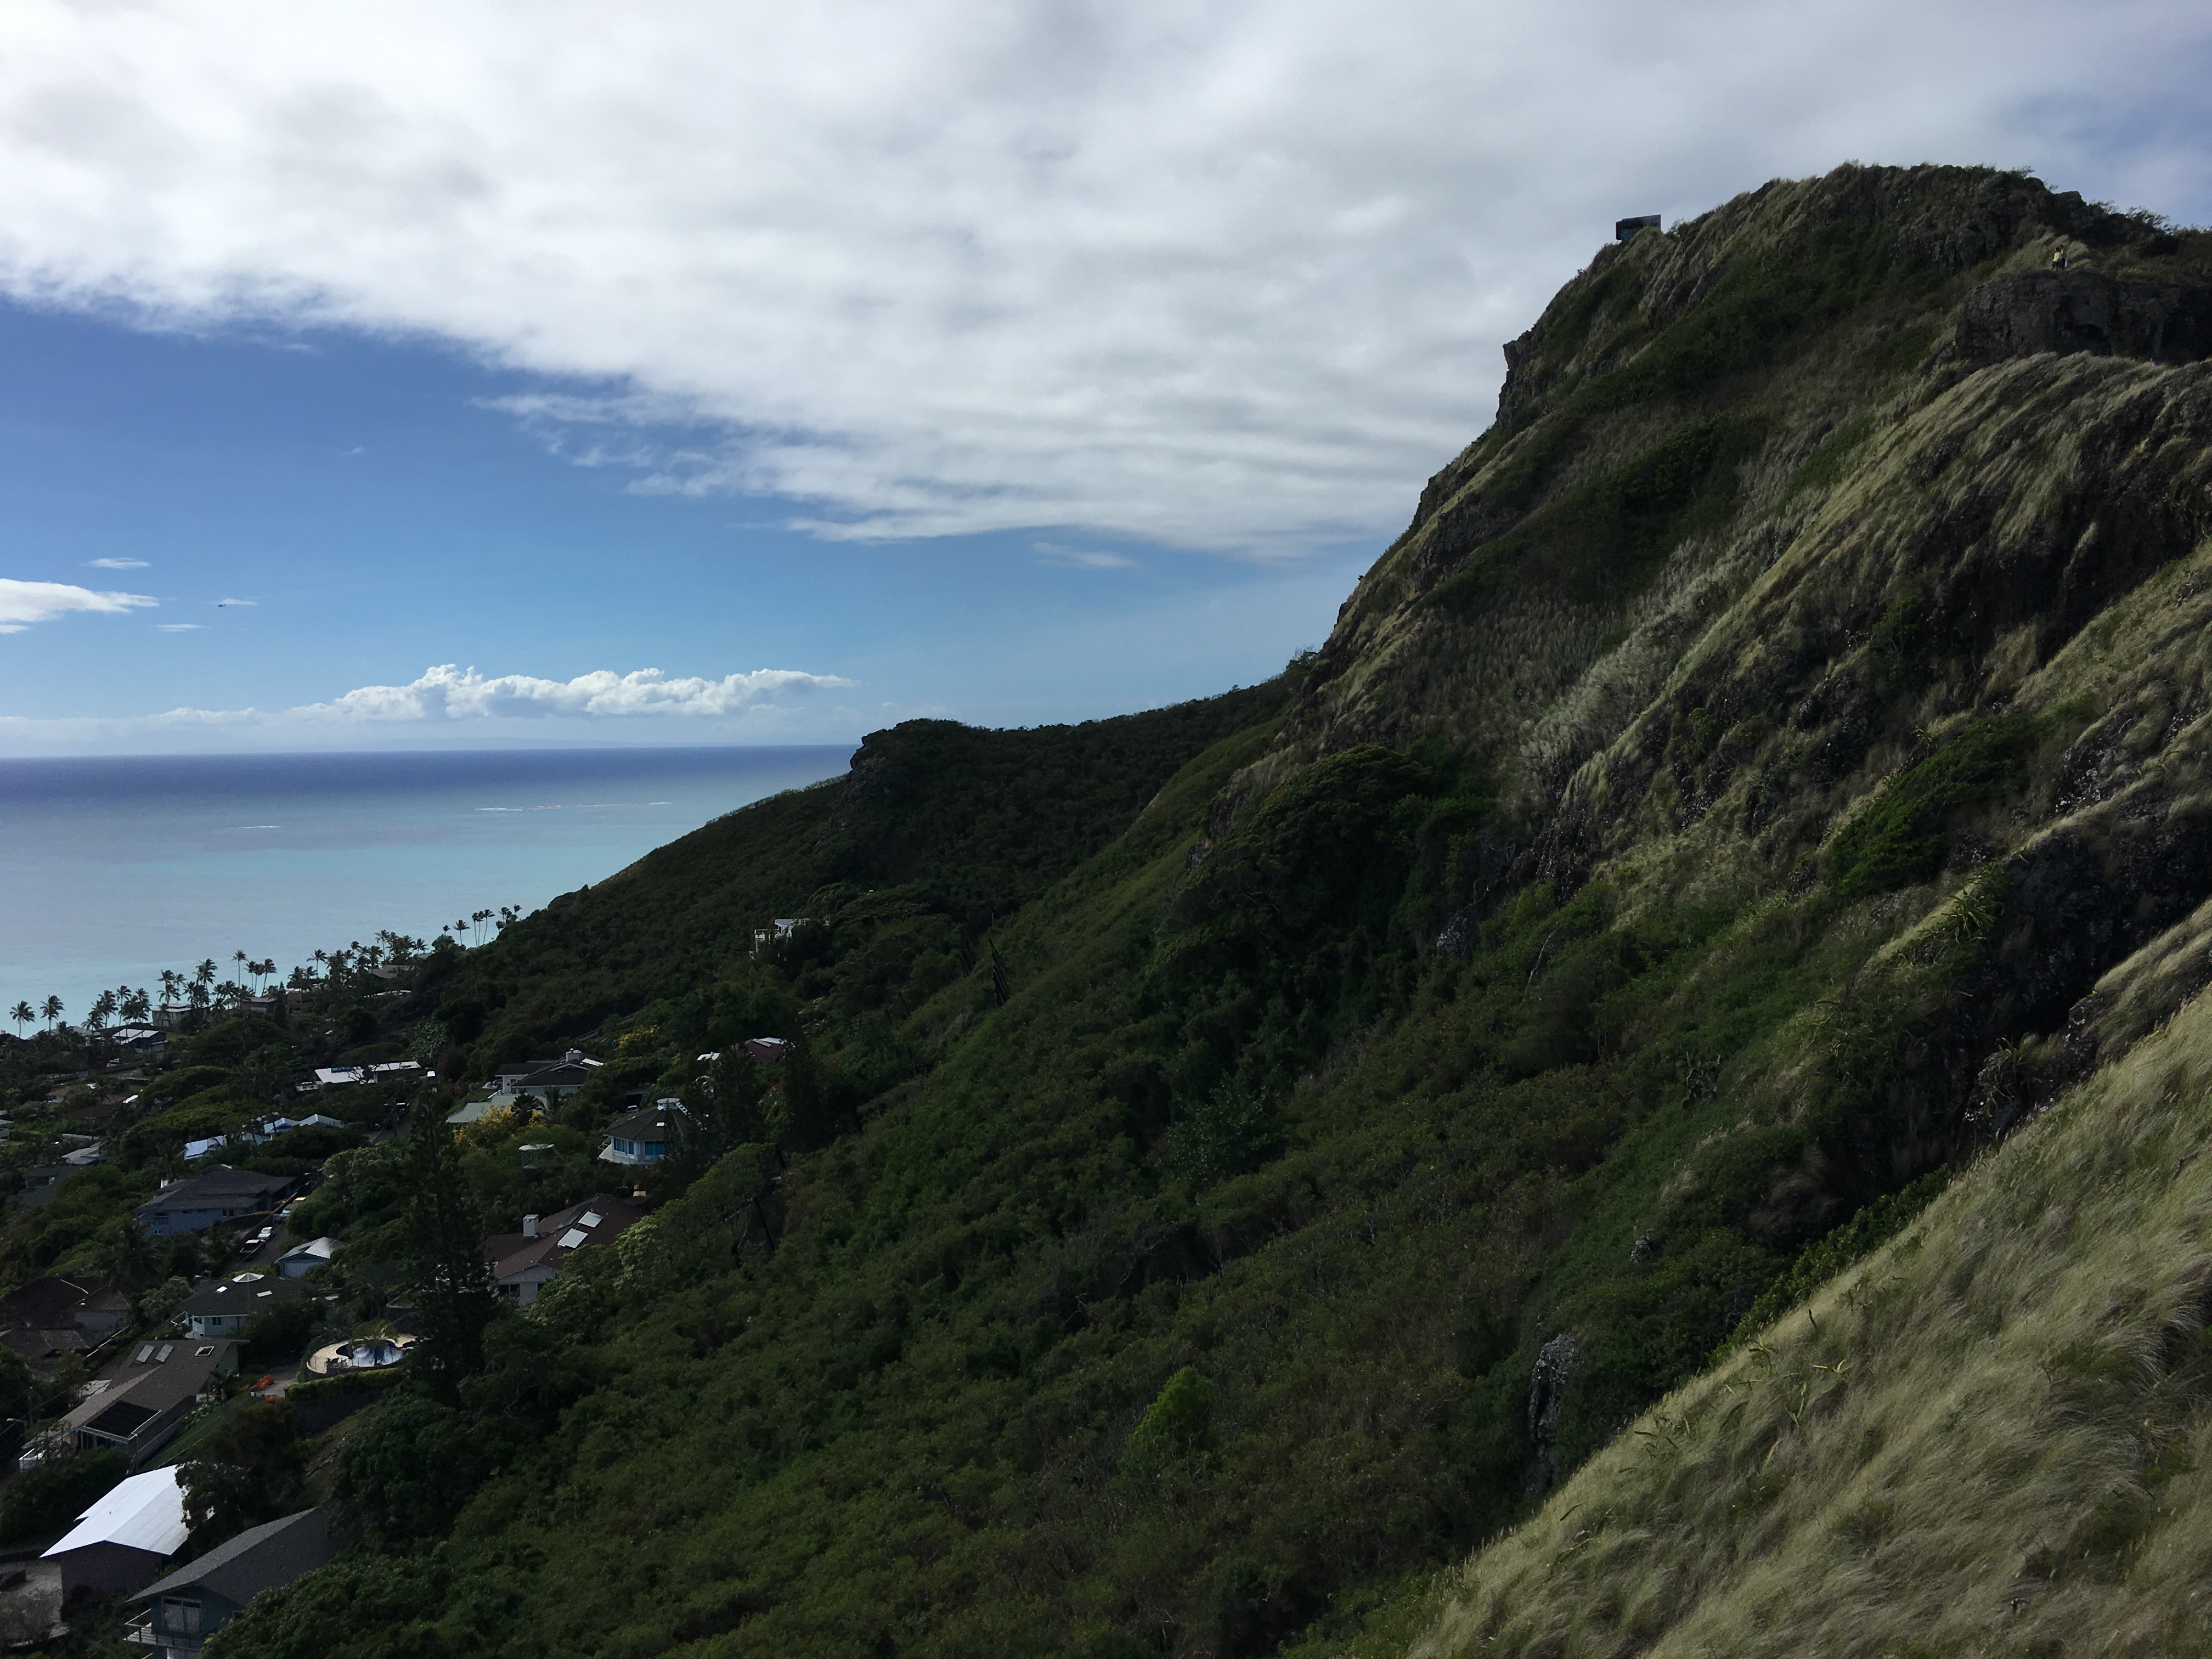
[1984, 1438]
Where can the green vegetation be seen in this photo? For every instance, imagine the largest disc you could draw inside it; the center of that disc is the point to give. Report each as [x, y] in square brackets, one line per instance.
[1988, 1425]
[47, 1497]
[1900, 837]
[1604, 539]
[1229, 1162]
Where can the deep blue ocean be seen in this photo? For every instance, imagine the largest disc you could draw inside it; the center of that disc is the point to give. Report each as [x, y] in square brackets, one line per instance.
[112, 870]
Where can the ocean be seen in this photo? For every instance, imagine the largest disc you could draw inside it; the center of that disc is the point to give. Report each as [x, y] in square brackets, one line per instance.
[112, 870]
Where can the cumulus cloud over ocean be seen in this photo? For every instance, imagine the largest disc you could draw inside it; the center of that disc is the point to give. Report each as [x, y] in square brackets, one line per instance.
[755, 707]
[447, 692]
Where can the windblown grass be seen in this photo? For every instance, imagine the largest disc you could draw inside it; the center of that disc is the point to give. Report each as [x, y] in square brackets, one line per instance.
[1979, 1440]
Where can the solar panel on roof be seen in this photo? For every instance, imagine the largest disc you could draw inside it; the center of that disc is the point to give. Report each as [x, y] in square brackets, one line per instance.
[574, 1237]
[590, 1218]
[162, 1358]
[142, 1354]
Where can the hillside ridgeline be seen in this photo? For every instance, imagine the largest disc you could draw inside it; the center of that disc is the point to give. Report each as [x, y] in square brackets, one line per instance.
[1239, 1158]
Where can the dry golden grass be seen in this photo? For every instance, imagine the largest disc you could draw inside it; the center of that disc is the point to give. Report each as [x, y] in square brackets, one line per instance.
[1979, 1441]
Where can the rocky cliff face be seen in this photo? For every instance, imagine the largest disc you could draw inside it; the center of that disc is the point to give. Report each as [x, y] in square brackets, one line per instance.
[1782, 505]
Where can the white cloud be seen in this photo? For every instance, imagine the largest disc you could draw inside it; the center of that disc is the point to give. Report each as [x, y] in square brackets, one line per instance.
[451, 693]
[22, 604]
[1231, 275]
[221, 604]
[118, 564]
[178, 627]
[1082, 558]
[448, 699]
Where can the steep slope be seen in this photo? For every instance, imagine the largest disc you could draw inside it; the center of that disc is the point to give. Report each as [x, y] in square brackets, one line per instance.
[1983, 1439]
[1766, 772]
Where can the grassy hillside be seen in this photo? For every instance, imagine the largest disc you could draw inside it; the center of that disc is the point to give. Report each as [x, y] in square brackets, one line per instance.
[1984, 1438]
[1228, 1176]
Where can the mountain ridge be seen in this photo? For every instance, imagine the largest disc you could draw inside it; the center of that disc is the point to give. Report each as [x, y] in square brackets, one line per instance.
[1766, 773]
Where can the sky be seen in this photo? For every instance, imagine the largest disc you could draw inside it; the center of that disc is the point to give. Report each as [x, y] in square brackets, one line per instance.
[465, 373]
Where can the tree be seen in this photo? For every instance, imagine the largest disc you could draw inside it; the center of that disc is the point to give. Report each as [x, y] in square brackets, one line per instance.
[22, 1014]
[138, 1006]
[43, 1500]
[251, 1469]
[52, 1011]
[407, 1470]
[125, 1257]
[103, 1009]
[243, 961]
[445, 1266]
[722, 1111]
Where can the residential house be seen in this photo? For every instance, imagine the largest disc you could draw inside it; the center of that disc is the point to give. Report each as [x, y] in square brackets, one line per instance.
[545, 1080]
[139, 1400]
[199, 1599]
[524, 1263]
[54, 1303]
[643, 1137]
[222, 1307]
[303, 1259]
[124, 1540]
[44, 1350]
[391, 1071]
[259, 1134]
[41, 1184]
[222, 1194]
[768, 1050]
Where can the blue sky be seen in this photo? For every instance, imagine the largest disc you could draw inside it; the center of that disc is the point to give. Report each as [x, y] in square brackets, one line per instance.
[560, 372]
[369, 515]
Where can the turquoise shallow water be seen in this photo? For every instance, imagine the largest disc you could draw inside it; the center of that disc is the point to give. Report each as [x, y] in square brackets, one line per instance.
[112, 870]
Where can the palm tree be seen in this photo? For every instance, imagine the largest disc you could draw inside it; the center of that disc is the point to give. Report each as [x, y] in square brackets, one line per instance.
[204, 974]
[103, 1009]
[238, 957]
[125, 1257]
[22, 1014]
[172, 982]
[52, 1011]
[138, 1006]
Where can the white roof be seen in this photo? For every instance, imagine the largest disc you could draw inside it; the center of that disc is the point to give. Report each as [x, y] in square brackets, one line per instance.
[321, 1249]
[146, 1512]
